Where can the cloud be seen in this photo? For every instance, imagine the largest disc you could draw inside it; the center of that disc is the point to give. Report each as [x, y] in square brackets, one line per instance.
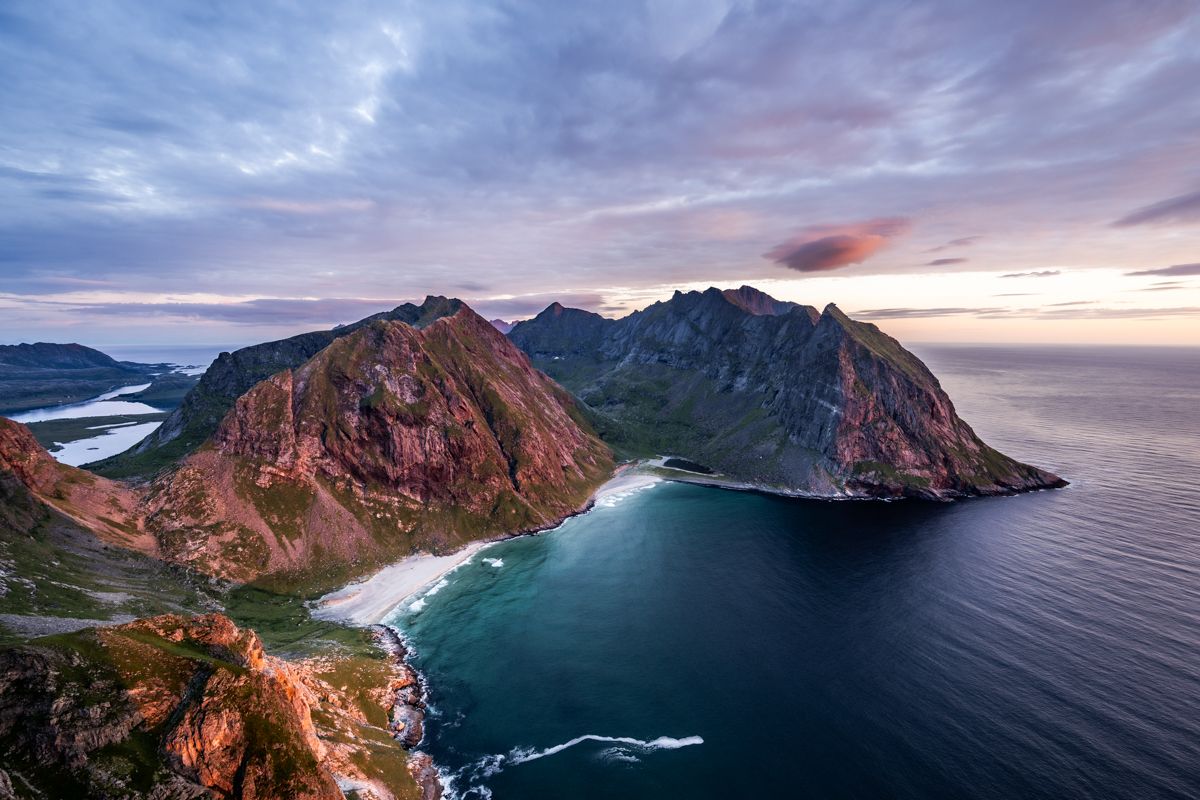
[260, 311]
[391, 149]
[821, 248]
[1178, 270]
[1045, 273]
[1182, 209]
[529, 305]
[1063, 311]
[961, 242]
[921, 313]
[943, 262]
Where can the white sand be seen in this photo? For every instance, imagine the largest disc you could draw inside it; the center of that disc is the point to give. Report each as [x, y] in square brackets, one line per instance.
[371, 601]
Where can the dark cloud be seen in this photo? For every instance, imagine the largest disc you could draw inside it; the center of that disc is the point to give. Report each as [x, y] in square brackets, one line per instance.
[1045, 273]
[1176, 271]
[1184, 208]
[826, 247]
[944, 262]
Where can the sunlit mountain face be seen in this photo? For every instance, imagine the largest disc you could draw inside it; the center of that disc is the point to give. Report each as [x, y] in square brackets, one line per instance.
[1017, 172]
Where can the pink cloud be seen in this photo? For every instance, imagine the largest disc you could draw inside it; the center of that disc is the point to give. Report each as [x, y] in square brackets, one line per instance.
[821, 248]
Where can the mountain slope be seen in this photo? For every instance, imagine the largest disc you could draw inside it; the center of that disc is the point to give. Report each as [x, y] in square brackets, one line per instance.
[391, 439]
[773, 395]
[234, 374]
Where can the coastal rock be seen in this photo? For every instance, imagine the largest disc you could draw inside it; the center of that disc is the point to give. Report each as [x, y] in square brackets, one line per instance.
[179, 707]
[393, 438]
[772, 395]
[424, 772]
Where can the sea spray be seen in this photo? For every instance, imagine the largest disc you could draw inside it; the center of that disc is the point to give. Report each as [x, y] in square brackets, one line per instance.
[485, 767]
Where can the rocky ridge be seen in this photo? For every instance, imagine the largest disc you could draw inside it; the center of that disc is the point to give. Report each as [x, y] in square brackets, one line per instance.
[232, 375]
[391, 439]
[773, 395]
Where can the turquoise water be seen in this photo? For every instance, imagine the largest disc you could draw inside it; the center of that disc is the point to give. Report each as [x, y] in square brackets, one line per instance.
[694, 642]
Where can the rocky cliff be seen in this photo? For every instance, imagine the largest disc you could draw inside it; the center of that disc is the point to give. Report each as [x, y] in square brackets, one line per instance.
[171, 707]
[234, 374]
[390, 439]
[771, 394]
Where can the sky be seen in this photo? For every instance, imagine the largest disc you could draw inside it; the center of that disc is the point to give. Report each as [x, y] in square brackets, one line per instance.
[957, 171]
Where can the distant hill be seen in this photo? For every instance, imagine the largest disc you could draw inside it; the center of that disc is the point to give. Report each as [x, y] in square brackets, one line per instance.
[45, 374]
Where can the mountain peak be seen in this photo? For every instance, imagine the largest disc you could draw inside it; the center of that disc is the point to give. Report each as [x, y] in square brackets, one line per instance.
[757, 302]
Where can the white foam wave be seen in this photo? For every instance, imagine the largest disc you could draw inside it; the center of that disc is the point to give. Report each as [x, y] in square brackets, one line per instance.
[419, 603]
[619, 754]
[522, 756]
[611, 498]
[494, 562]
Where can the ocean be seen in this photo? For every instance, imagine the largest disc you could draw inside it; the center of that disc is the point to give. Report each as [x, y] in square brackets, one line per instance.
[691, 642]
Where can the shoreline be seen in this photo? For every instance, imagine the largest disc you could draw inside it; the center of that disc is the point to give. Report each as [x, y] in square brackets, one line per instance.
[373, 599]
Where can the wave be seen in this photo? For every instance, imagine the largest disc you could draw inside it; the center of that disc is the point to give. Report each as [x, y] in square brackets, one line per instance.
[612, 498]
[474, 774]
[494, 562]
[419, 603]
[522, 756]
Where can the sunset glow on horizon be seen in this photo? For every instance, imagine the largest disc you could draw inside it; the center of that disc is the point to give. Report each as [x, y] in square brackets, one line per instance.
[1018, 172]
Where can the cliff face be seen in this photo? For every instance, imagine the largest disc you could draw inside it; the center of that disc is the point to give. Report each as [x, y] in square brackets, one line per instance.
[234, 374]
[772, 394]
[391, 439]
[180, 708]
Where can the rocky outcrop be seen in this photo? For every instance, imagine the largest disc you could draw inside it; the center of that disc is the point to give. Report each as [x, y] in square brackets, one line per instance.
[164, 707]
[391, 439]
[234, 374]
[772, 395]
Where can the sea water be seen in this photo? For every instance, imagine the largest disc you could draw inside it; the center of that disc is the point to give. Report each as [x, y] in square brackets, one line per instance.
[691, 642]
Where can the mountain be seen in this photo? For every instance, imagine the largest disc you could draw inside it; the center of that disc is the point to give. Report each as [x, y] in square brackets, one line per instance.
[391, 439]
[502, 326]
[752, 301]
[234, 374]
[43, 374]
[772, 395]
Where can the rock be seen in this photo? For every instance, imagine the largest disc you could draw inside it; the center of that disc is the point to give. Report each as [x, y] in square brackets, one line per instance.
[183, 706]
[393, 438]
[234, 374]
[421, 767]
[772, 395]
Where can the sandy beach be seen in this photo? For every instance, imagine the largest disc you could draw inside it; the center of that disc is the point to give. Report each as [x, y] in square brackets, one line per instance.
[370, 601]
